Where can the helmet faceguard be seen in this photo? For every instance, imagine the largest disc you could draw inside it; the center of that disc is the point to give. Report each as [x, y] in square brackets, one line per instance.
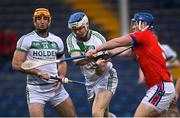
[42, 11]
[77, 20]
[143, 17]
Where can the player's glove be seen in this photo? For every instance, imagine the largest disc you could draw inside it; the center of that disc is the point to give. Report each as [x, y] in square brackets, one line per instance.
[103, 55]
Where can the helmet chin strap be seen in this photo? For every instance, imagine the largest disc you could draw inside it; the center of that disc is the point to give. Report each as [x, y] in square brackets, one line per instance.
[74, 34]
[139, 26]
[86, 27]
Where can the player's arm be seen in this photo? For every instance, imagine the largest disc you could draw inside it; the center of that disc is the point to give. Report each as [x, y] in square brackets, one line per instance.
[79, 61]
[101, 66]
[141, 77]
[128, 52]
[18, 58]
[62, 67]
[177, 92]
[116, 42]
[74, 50]
[173, 64]
[177, 88]
[171, 57]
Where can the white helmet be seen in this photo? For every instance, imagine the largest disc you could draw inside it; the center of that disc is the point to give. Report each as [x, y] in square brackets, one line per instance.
[77, 20]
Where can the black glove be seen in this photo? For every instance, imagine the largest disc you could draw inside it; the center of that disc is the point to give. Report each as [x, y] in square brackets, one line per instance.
[102, 56]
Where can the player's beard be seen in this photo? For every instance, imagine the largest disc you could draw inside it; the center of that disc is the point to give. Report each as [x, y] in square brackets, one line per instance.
[85, 38]
[82, 38]
[42, 32]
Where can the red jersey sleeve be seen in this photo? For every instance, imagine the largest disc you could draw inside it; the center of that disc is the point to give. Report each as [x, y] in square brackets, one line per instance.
[138, 37]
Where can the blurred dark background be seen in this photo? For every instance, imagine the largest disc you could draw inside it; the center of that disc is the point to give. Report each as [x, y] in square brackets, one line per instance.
[105, 17]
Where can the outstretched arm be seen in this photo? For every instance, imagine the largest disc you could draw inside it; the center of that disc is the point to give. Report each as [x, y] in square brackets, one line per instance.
[128, 52]
[114, 43]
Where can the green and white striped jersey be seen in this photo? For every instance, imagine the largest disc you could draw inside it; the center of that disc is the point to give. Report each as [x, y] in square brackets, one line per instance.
[39, 48]
[95, 40]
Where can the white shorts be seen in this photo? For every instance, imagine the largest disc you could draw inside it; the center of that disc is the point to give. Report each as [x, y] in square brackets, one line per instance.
[43, 94]
[160, 96]
[108, 82]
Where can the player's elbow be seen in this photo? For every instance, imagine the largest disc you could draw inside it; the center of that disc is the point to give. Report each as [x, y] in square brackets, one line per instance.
[15, 66]
[62, 65]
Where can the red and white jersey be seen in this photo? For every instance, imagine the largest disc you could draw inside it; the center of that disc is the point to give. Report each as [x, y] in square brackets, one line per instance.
[150, 57]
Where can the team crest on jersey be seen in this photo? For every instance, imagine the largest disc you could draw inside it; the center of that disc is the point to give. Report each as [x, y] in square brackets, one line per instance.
[45, 45]
[89, 47]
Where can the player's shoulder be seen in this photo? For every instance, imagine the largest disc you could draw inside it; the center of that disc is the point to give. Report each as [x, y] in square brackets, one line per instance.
[54, 36]
[142, 34]
[28, 36]
[137, 34]
[70, 37]
[96, 33]
[26, 39]
[165, 46]
[149, 32]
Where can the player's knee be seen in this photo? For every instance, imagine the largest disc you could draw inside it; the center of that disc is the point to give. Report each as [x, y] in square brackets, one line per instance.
[36, 113]
[72, 114]
[136, 114]
[97, 113]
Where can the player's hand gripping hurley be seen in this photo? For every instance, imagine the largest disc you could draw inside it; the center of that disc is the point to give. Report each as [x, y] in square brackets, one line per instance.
[107, 57]
[66, 80]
